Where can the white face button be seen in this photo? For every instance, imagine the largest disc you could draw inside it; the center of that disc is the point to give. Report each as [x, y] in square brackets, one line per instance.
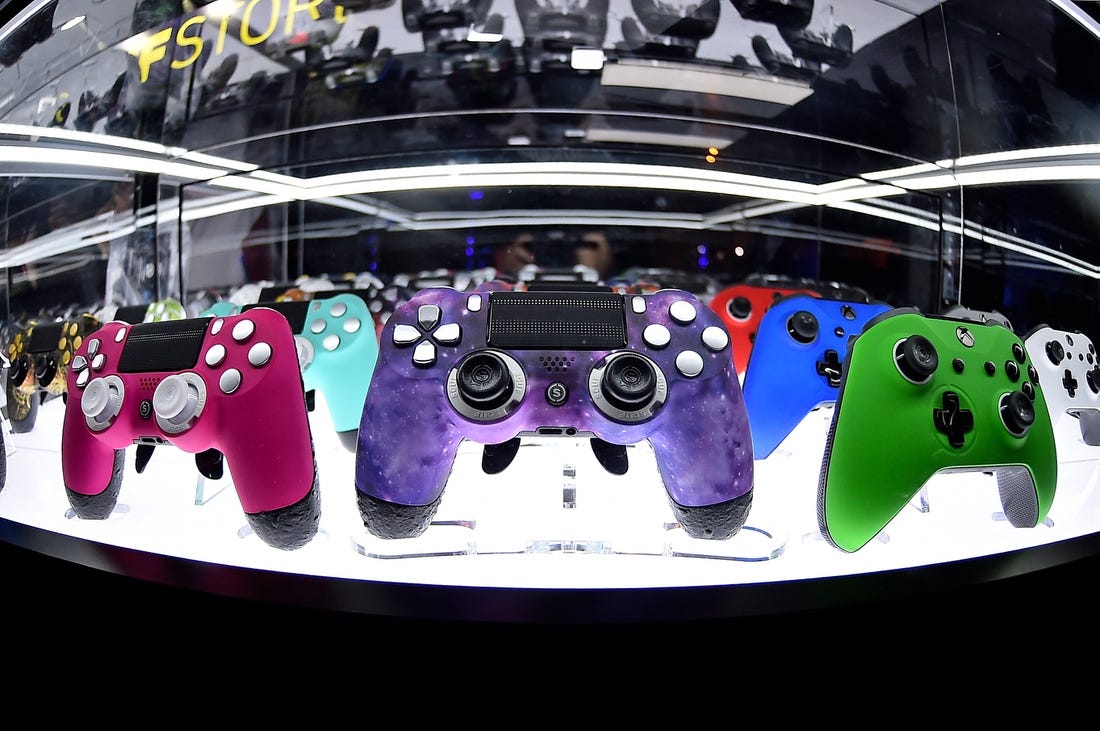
[682, 312]
[259, 354]
[98, 362]
[656, 336]
[448, 334]
[473, 303]
[331, 342]
[216, 326]
[338, 309]
[230, 381]
[405, 335]
[689, 363]
[424, 355]
[352, 325]
[715, 338]
[93, 346]
[215, 355]
[317, 326]
[243, 330]
[637, 304]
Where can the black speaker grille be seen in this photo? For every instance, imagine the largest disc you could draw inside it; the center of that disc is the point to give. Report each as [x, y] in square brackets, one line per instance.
[171, 345]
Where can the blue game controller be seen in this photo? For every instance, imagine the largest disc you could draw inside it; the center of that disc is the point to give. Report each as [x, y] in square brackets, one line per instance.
[796, 361]
[337, 350]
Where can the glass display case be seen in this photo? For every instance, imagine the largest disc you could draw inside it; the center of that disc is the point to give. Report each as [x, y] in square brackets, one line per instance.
[389, 178]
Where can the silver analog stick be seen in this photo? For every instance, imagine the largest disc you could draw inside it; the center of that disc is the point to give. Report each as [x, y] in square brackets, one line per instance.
[176, 400]
[100, 402]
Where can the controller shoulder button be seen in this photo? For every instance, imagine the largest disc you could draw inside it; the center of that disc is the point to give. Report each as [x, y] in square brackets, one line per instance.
[682, 312]
[656, 336]
[405, 335]
[230, 381]
[259, 354]
[120, 335]
[424, 355]
[243, 330]
[215, 355]
[715, 338]
[689, 363]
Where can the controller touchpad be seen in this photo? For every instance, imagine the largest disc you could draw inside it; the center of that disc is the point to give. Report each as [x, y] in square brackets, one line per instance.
[170, 345]
[45, 338]
[557, 320]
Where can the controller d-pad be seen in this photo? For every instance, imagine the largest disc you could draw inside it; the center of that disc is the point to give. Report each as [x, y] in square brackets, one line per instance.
[829, 366]
[953, 420]
[1070, 383]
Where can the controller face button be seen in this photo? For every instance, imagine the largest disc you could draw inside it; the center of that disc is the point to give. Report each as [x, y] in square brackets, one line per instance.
[656, 336]
[990, 368]
[848, 312]
[1028, 389]
[1017, 413]
[93, 346]
[215, 355]
[352, 325]
[424, 355]
[338, 309]
[80, 363]
[1018, 352]
[689, 363]
[629, 382]
[916, 358]
[98, 362]
[405, 335]
[230, 381]
[740, 308]
[637, 304]
[839, 332]
[1069, 383]
[259, 354]
[317, 326]
[958, 365]
[715, 338]
[557, 393]
[243, 330]
[1013, 370]
[1055, 351]
[449, 334]
[965, 336]
[802, 326]
[82, 378]
[1033, 374]
[953, 420]
[331, 342]
[484, 381]
[473, 303]
[1069, 339]
[121, 334]
[428, 316]
[682, 312]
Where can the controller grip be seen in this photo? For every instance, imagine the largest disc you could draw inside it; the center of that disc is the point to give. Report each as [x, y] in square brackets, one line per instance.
[90, 468]
[271, 468]
[22, 407]
[1019, 499]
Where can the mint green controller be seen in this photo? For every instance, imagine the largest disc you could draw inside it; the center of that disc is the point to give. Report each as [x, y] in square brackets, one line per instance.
[923, 394]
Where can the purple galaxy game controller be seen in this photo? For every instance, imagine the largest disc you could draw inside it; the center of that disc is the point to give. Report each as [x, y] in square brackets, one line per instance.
[230, 384]
[490, 366]
[1069, 373]
[796, 360]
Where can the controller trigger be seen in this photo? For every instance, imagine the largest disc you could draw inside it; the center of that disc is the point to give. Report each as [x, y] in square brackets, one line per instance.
[211, 464]
[612, 457]
[142, 455]
[495, 458]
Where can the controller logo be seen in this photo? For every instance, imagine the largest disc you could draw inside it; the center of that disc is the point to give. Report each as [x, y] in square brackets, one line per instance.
[145, 409]
[965, 336]
[557, 393]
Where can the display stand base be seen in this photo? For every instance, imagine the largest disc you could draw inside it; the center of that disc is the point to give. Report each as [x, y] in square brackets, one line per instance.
[121, 510]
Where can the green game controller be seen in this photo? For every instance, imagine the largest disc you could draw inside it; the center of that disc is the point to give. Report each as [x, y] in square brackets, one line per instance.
[923, 394]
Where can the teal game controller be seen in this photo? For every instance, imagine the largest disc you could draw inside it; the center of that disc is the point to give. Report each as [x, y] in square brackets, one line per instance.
[337, 350]
[924, 394]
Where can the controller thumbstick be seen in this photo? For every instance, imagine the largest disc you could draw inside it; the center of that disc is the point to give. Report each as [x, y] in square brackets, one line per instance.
[802, 326]
[19, 369]
[917, 358]
[176, 400]
[100, 401]
[1017, 412]
[45, 370]
[629, 382]
[484, 382]
[740, 308]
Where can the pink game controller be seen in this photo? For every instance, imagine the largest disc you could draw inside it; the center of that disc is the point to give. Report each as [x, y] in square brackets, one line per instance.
[230, 384]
